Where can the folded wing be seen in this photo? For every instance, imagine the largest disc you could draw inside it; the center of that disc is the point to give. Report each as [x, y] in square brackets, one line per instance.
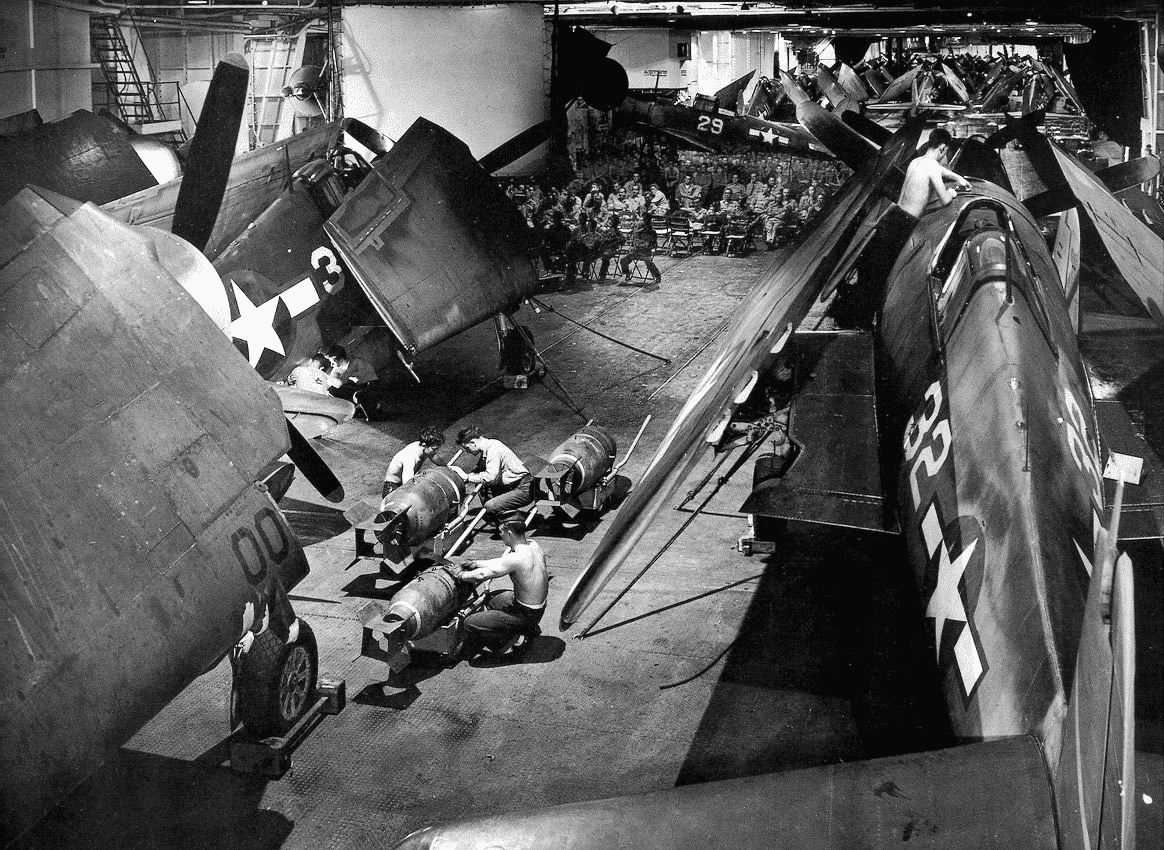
[763, 324]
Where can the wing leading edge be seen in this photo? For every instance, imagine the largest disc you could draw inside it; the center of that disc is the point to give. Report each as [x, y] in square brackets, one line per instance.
[763, 324]
[990, 795]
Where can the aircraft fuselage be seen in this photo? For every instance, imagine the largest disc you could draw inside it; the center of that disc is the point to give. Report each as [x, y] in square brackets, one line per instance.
[719, 129]
[990, 428]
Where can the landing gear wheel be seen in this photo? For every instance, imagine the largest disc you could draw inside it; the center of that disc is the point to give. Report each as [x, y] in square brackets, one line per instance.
[518, 355]
[529, 357]
[277, 682]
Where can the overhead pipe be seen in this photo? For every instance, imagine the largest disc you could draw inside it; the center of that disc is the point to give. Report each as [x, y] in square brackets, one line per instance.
[211, 6]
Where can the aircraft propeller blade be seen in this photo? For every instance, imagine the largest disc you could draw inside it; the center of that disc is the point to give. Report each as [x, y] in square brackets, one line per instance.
[1117, 178]
[211, 153]
[867, 127]
[793, 89]
[517, 147]
[366, 136]
[763, 324]
[1016, 128]
[313, 467]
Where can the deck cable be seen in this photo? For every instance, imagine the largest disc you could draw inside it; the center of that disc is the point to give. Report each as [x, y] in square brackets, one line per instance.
[723, 479]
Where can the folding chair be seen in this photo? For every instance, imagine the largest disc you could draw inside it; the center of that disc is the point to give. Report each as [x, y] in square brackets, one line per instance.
[680, 227]
[662, 236]
[638, 271]
[736, 237]
[698, 239]
[712, 236]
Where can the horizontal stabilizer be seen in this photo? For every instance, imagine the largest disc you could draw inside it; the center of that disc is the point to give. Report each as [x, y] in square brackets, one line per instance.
[980, 796]
[836, 477]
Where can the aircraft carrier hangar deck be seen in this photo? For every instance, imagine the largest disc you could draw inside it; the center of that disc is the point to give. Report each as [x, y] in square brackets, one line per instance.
[714, 665]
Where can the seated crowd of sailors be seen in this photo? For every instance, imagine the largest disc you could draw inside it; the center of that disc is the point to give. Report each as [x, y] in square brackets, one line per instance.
[586, 225]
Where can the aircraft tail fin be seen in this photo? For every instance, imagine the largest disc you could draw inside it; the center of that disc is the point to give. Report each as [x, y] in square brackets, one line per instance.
[1095, 775]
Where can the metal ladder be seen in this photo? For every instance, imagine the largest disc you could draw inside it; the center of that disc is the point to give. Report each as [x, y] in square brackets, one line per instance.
[135, 101]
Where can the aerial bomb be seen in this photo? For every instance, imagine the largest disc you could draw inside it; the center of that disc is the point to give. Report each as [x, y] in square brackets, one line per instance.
[582, 474]
[417, 511]
[425, 607]
[578, 464]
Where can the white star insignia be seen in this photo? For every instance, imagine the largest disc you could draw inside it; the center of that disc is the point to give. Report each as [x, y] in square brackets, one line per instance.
[946, 601]
[769, 136]
[256, 325]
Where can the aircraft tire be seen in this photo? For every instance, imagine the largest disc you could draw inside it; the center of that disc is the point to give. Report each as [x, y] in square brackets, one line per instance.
[529, 356]
[277, 682]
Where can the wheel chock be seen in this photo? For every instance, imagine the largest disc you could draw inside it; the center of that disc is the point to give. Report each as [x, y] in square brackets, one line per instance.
[271, 757]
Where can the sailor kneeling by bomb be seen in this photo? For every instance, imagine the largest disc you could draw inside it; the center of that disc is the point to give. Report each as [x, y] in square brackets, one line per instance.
[507, 488]
[507, 613]
[441, 611]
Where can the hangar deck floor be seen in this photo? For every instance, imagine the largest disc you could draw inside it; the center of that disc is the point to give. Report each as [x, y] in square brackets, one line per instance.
[714, 665]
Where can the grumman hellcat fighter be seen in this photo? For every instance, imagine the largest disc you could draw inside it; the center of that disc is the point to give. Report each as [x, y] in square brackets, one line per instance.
[140, 541]
[387, 259]
[980, 415]
[713, 124]
[315, 246]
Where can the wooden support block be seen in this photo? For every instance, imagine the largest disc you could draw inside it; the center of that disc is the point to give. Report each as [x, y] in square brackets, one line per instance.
[271, 757]
[753, 546]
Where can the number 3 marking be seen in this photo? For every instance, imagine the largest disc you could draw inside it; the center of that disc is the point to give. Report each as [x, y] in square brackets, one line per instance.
[335, 274]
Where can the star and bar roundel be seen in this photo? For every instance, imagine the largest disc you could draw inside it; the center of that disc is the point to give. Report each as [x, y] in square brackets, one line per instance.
[265, 318]
[954, 548]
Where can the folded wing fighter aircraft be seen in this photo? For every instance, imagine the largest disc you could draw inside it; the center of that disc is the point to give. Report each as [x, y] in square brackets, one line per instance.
[140, 543]
[984, 454]
[714, 124]
[431, 241]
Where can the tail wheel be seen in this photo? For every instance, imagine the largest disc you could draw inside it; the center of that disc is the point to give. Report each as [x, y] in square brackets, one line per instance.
[277, 682]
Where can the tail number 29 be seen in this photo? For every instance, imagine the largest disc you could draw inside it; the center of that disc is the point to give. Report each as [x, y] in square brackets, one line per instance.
[707, 124]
